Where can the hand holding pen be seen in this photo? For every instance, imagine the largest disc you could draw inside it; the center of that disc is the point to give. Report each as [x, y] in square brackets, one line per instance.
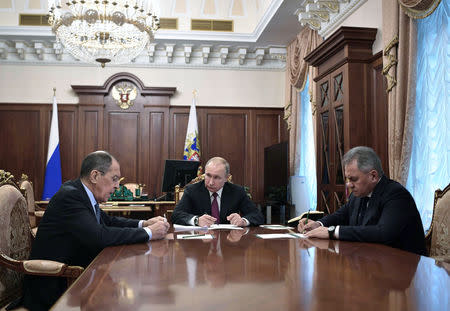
[306, 224]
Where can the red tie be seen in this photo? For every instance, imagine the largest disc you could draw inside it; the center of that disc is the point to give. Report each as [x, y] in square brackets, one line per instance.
[215, 208]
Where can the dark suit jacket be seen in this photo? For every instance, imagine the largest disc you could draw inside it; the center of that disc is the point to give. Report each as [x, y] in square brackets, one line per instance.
[197, 202]
[69, 233]
[391, 218]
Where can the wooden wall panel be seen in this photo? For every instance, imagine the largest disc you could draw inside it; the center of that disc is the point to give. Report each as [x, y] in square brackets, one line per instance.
[67, 117]
[22, 141]
[179, 118]
[122, 137]
[226, 136]
[378, 111]
[158, 152]
[89, 132]
[268, 132]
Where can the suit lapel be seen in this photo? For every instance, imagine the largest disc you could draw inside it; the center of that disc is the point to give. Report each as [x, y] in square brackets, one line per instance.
[224, 202]
[85, 196]
[205, 199]
[372, 208]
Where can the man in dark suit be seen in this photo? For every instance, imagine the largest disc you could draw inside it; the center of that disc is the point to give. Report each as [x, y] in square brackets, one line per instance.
[379, 210]
[74, 229]
[215, 200]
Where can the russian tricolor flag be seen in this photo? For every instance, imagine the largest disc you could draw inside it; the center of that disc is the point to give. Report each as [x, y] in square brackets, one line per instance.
[53, 169]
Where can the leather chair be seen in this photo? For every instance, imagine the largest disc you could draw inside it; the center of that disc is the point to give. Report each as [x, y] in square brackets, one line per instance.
[34, 212]
[15, 244]
[440, 226]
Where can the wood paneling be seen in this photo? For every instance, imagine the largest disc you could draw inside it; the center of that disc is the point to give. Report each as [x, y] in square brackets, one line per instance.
[122, 140]
[226, 136]
[141, 137]
[267, 133]
[67, 123]
[378, 110]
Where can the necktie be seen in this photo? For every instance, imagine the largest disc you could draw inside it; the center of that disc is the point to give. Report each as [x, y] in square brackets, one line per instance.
[97, 212]
[215, 208]
[362, 210]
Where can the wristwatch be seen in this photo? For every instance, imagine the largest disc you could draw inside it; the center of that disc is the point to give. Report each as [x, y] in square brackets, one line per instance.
[196, 221]
[331, 232]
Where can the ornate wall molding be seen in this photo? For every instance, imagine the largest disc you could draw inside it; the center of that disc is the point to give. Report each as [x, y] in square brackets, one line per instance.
[38, 46]
[325, 15]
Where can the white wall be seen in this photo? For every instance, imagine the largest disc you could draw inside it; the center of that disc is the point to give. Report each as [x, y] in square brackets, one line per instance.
[233, 88]
[368, 15]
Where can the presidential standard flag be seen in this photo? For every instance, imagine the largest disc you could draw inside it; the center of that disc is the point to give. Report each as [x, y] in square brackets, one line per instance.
[53, 169]
[192, 144]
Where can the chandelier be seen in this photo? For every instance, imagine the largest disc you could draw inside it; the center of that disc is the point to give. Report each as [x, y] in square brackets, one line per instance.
[104, 31]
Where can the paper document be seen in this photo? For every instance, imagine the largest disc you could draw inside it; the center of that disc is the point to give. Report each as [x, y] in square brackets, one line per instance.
[225, 227]
[281, 236]
[179, 228]
[276, 227]
[201, 236]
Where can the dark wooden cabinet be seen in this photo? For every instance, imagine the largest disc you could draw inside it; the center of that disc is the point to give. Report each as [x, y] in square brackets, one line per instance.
[343, 104]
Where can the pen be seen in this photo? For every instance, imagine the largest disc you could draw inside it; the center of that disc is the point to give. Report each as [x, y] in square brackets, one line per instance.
[307, 217]
[165, 218]
[306, 222]
[193, 235]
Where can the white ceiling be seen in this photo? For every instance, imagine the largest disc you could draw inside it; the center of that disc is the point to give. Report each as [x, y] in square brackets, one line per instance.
[261, 49]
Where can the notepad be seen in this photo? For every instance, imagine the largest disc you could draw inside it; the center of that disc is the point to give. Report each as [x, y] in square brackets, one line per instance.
[281, 236]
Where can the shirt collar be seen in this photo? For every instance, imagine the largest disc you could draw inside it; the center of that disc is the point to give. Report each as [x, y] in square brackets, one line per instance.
[90, 195]
[219, 193]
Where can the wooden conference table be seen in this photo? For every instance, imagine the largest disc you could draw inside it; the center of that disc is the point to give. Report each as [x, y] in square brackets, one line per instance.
[234, 272]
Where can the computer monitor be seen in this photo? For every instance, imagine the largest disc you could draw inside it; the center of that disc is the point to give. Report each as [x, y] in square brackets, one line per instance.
[178, 172]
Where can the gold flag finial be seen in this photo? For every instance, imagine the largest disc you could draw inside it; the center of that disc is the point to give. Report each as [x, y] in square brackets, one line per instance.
[194, 92]
[54, 91]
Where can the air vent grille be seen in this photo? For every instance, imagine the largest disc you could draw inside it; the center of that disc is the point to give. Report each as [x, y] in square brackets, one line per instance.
[211, 25]
[168, 23]
[33, 20]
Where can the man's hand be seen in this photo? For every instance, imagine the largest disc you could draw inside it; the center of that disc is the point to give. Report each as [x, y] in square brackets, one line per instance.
[159, 229]
[206, 220]
[304, 227]
[152, 221]
[236, 219]
[320, 232]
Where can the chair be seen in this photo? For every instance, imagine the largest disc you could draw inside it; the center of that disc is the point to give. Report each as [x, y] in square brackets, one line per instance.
[439, 231]
[34, 212]
[15, 244]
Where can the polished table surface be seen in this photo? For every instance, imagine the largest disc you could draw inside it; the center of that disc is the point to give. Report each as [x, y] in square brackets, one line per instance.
[237, 271]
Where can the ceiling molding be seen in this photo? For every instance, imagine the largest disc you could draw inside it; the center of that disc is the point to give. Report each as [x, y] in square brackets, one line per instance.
[44, 50]
[326, 15]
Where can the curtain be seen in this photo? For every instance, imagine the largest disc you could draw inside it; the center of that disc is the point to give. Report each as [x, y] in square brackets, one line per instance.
[307, 151]
[296, 71]
[399, 39]
[429, 169]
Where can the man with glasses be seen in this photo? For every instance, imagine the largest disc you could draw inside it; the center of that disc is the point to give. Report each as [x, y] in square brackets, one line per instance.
[379, 210]
[74, 229]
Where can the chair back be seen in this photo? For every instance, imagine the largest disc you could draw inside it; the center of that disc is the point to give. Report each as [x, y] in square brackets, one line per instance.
[440, 225]
[15, 236]
[27, 189]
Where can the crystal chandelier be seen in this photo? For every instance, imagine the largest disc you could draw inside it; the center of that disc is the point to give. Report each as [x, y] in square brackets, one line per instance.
[104, 31]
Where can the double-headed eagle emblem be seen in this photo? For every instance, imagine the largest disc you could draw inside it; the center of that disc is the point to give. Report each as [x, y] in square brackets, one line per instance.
[124, 94]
